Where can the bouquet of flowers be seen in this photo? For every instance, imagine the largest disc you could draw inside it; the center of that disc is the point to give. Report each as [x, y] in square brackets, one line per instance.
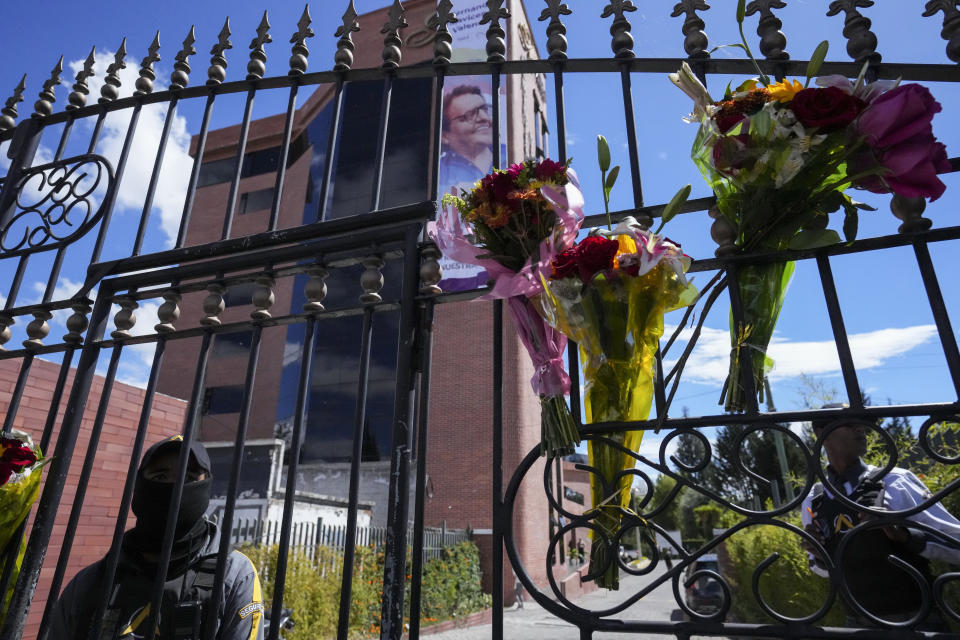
[512, 223]
[609, 293]
[779, 158]
[20, 469]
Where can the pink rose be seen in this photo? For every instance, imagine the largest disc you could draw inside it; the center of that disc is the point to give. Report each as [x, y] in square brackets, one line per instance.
[912, 167]
[898, 114]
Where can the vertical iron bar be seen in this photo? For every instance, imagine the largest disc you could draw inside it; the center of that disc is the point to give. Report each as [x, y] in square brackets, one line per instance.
[299, 425]
[113, 556]
[155, 176]
[82, 482]
[839, 332]
[381, 141]
[940, 316]
[97, 130]
[166, 549]
[331, 149]
[64, 137]
[559, 497]
[54, 274]
[360, 416]
[195, 172]
[16, 282]
[423, 415]
[241, 152]
[746, 363]
[497, 487]
[631, 136]
[226, 523]
[46, 514]
[284, 154]
[394, 572]
[118, 178]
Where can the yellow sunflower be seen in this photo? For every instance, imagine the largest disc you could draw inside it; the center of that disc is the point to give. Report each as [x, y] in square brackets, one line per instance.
[784, 90]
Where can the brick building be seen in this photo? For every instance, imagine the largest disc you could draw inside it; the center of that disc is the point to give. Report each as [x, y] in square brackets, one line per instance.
[460, 426]
[104, 491]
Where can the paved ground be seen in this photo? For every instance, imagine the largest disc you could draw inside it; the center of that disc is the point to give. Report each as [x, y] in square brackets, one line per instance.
[533, 622]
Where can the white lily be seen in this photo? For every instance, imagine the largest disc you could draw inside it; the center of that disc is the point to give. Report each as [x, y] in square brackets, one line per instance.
[690, 84]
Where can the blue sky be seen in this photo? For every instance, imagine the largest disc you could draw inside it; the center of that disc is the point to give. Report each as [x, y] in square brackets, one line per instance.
[894, 345]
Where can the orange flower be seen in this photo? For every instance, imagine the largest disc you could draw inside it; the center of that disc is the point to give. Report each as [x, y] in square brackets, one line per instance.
[499, 219]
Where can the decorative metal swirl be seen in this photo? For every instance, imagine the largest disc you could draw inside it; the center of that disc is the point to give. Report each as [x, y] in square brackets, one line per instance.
[871, 518]
[55, 203]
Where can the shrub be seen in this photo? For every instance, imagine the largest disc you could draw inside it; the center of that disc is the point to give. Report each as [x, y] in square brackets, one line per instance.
[450, 588]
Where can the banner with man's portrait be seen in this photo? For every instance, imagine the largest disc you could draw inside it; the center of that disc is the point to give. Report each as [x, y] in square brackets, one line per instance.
[466, 135]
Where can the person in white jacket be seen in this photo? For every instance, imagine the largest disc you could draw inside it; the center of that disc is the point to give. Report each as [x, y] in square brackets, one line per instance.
[881, 566]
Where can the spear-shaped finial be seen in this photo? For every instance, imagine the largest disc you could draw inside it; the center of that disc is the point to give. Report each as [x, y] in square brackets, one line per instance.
[951, 24]
[861, 41]
[9, 118]
[556, 32]
[773, 43]
[443, 41]
[144, 83]
[622, 42]
[496, 45]
[695, 41]
[298, 61]
[180, 77]
[391, 43]
[217, 72]
[110, 90]
[78, 97]
[343, 59]
[44, 106]
[257, 65]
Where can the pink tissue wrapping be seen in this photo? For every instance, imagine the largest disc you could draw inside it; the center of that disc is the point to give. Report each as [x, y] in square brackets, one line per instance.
[543, 343]
[451, 233]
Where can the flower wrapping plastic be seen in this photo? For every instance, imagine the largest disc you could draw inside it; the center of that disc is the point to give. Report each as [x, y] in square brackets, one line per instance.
[614, 311]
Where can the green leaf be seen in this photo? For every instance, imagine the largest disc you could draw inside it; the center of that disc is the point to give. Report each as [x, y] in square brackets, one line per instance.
[741, 11]
[673, 206]
[863, 206]
[814, 238]
[611, 178]
[760, 124]
[850, 223]
[603, 153]
[816, 60]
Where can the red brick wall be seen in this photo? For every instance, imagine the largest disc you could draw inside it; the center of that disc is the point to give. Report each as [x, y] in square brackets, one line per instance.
[105, 489]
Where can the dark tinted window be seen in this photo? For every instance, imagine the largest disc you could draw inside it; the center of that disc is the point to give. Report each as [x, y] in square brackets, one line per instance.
[408, 145]
[228, 345]
[254, 163]
[239, 294]
[222, 399]
[259, 200]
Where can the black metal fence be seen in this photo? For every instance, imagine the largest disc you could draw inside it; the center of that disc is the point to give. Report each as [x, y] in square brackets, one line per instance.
[80, 193]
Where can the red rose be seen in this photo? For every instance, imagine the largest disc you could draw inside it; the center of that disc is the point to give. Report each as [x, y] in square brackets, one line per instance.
[6, 471]
[549, 170]
[564, 264]
[18, 457]
[827, 108]
[595, 254]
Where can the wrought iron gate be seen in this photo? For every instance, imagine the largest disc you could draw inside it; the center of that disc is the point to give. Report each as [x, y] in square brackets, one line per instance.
[66, 205]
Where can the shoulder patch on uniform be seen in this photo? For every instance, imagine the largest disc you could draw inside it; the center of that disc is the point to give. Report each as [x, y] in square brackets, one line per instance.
[253, 607]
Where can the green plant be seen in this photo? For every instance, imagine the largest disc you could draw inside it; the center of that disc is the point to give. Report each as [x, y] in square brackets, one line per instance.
[451, 588]
[787, 585]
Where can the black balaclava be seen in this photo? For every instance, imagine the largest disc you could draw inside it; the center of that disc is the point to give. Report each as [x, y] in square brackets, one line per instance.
[151, 499]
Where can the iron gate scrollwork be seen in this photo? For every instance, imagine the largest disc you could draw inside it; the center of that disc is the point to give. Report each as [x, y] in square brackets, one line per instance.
[382, 250]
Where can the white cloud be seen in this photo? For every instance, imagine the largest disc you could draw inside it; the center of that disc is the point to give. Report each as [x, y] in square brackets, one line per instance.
[709, 360]
[177, 163]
